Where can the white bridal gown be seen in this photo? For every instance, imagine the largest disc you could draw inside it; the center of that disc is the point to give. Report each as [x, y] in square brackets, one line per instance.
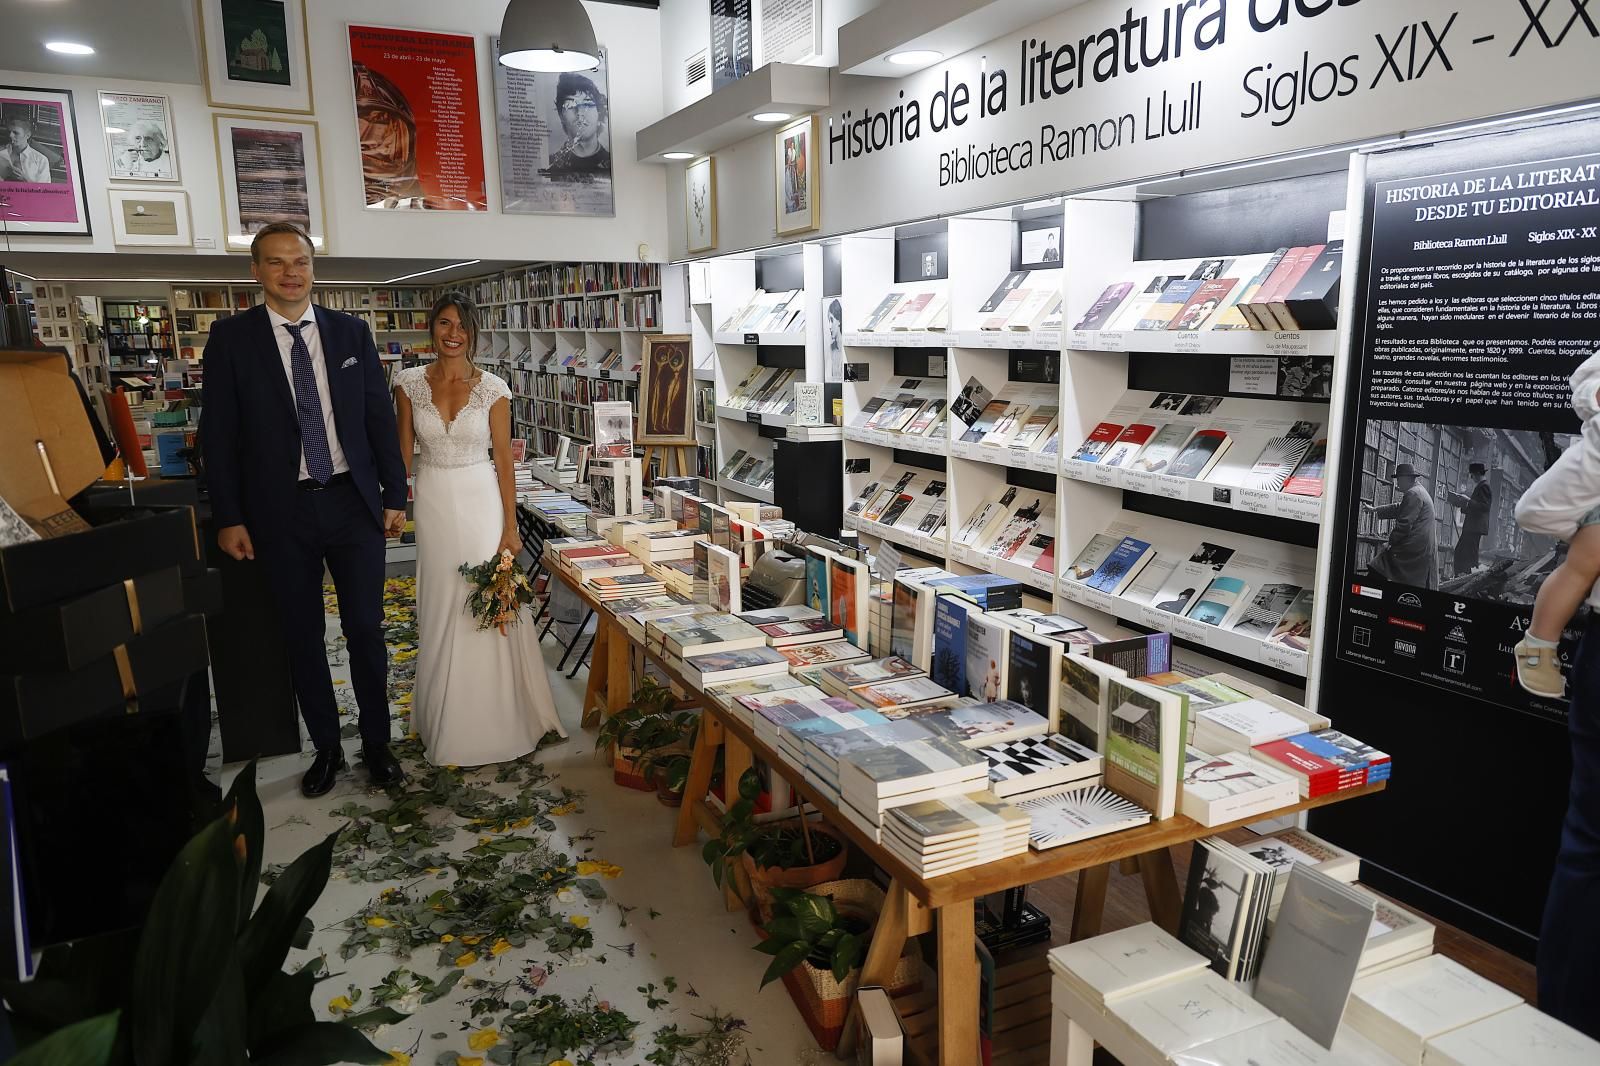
[480, 697]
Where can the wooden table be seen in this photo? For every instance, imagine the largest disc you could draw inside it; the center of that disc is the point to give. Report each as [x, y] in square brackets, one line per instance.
[944, 905]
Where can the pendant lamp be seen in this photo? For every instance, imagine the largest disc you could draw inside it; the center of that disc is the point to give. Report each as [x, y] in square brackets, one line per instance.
[551, 36]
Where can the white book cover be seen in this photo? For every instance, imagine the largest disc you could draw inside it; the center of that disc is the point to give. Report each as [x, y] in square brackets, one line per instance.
[1027, 516]
[1086, 699]
[1008, 307]
[1010, 422]
[1218, 789]
[985, 521]
[1276, 1043]
[916, 514]
[1126, 962]
[1521, 1036]
[1034, 308]
[1083, 567]
[1078, 813]
[1192, 1010]
[1163, 448]
[987, 643]
[1241, 726]
[1424, 999]
[936, 315]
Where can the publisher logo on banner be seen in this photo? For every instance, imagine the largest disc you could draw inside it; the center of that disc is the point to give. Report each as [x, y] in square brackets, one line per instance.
[1408, 648]
[1410, 599]
[1456, 634]
[1368, 591]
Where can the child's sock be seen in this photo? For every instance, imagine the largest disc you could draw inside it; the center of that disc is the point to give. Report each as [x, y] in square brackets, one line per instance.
[1538, 642]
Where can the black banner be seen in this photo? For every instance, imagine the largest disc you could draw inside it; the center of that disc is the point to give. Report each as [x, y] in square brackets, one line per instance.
[732, 46]
[1483, 296]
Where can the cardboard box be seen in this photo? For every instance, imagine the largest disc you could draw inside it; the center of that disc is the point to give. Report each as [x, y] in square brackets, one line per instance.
[34, 705]
[43, 572]
[48, 451]
[73, 634]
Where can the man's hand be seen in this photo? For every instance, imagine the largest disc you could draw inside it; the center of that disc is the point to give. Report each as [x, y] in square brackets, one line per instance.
[235, 540]
[394, 523]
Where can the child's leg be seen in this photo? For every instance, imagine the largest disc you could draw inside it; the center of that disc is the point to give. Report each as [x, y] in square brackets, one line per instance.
[1564, 591]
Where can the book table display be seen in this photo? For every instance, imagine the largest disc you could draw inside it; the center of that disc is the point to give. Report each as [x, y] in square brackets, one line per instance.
[943, 905]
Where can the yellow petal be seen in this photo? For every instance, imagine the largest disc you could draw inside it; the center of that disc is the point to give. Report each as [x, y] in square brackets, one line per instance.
[398, 1058]
[447, 938]
[469, 1060]
[378, 923]
[580, 920]
[587, 868]
[561, 1062]
[483, 1039]
[501, 946]
[468, 959]
[471, 939]
[340, 1004]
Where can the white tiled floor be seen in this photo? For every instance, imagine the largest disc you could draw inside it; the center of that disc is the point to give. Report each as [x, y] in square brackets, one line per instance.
[694, 940]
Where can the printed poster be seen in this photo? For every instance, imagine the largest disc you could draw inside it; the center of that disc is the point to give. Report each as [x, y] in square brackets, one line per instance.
[41, 186]
[555, 140]
[417, 118]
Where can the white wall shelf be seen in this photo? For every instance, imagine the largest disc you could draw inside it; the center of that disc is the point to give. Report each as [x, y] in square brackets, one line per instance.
[1206, 342]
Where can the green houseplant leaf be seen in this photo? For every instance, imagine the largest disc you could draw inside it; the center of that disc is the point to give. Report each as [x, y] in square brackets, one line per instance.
[249, 822]
[321, 1043]
[86, 1043]
[265, 941]
[786, 958]
[220, 1039]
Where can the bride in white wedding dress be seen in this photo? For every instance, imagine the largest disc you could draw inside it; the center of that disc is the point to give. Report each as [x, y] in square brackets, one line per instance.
[480, 697]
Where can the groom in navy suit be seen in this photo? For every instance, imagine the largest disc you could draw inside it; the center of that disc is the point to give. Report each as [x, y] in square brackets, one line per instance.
[304, 470]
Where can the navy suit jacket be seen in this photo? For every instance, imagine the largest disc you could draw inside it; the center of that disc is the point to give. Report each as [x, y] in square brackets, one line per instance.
[250, 435]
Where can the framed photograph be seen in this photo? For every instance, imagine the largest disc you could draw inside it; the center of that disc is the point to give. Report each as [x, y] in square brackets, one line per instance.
[140, 145]
[700, 196]
[795, 157]
[41, 174]
[271, 171]
[150, 219]
[417, 119]
[1041, 248]
[255, 54]
[554, 132]
[666, 391]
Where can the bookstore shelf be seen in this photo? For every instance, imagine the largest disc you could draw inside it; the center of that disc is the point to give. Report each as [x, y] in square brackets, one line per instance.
[1027, 340]
[935, 445]
[1188, 342]
[751, 492]
[899, 339]
[1209, 494]
[763, 339]
[935, 546]
[1005, 457]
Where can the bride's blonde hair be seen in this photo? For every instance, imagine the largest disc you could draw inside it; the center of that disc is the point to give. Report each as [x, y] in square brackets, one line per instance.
[467, 311]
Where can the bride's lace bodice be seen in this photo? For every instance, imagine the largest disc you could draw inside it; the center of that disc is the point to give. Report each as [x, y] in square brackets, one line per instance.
[463, 442]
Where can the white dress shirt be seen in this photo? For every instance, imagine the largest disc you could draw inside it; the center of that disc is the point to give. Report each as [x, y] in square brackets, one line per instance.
[319, 369]
[32, 166]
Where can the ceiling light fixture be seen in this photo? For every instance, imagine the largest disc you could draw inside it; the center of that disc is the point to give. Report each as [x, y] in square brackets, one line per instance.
[915, 57]
[434, 270]
[549, 36]
[771, 116]
[677, 155]
[69, 48]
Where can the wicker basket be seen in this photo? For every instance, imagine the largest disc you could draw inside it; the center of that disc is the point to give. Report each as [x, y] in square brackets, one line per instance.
[825, 1003]
[623, 771]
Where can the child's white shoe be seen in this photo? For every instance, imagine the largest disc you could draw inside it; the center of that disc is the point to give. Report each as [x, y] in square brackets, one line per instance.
[1539, 671]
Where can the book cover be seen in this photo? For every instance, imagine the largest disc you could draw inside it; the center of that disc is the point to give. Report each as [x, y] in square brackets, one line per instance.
[1205, 302]
[1036, 428]
[986, 421]
[1085, 700]
[1191, 577]
[1294, 628]
[1266, 609]
[1012, 280]
[921, 505]
[949, 666]
[897, 695]
[911, 622]
[1316, 949]
[1082, 568]
[1034, 309]
[827, 653]
[1218, 600]
[1233, 315]
[1164, 446]
[1307, 478]
[1099, 443]
[957, 817]
[1133, 309]
[1008, 425]
[817, 583]
[987, 644]
[1313, 302]
[1276, 310]
[1202, 452]
[1033, 671]
[984, 522]
[919, 764]
[1129, 443]
[1020, 525]
[1105, 306]
[882, 311]
[924, 419]
[1007, 307]
[1257, 310]
[1028, 764]
[909, 311]
[719, 662]
[1173, 299]
[1122, 566]
[1276, 463]
[1079, 814]
[1210, 269]
[972, 401]
[1219, 904]
[1144, 744]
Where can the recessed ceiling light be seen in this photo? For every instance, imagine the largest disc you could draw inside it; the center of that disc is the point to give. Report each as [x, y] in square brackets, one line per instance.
[914, 57]
[771, 116]
[69, 48]
[677, 155]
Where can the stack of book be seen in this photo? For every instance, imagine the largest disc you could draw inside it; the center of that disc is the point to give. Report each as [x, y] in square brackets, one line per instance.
[677, 575]
[820, 745]
[1174, 1016]
[1402, 1009]
[666, 545]
[840, 680]
[773, 713]
[897, 699]
[803, 626]
[1218, 789]
[701, 634]
[1018, 768]
[1521, 1036]
[945, 835]
[1225, 907]
[977, 725]
[719, 667]
[1107, 969]
[1074, 813]
[608, 588]
[1244, 725]
[874, 780]
[1395, 938]
[814, 658]
[1325, 761]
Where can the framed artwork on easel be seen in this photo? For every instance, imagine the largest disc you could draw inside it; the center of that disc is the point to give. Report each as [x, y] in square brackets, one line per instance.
[666, 391]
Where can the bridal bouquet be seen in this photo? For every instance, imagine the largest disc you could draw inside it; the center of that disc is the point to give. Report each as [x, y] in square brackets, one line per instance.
[500, 589]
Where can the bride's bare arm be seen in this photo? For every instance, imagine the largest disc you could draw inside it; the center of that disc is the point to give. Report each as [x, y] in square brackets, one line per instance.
[500, 438]
[402, 421]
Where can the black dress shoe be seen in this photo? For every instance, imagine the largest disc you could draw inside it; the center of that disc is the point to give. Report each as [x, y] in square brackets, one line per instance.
[382, 766]
[319, 780]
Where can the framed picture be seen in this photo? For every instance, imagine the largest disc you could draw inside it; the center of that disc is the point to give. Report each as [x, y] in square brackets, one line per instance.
[554, 132]
[1041, 248]
[700, 196]
[416, 95]
[271, 171]
[41, 174]
[795, 159]
[140, 145]
[150, 218]
[255, 54]
[666, 391]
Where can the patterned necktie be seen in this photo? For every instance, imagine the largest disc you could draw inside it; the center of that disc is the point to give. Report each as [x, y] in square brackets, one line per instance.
[308, 408]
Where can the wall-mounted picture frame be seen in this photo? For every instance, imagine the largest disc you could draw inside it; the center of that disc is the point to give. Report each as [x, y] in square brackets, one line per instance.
[150, 218]
[795, 166]
[271, 171]
[141, 141]
[700, 203]
[554, 135]
[666, 390]
[41, 169]
[1041, 248]
[255, 54]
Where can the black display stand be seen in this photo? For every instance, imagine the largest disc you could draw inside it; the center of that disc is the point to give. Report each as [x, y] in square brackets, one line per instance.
[256, 710]
[806, 485]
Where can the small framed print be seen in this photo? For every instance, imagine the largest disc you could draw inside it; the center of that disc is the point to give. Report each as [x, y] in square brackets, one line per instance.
[255, 55]
[58, 292]
[271, 171]
[795, 159]
[150, 219]
[700, 196]
[47, 333]
[140, 143]
[1040, 247]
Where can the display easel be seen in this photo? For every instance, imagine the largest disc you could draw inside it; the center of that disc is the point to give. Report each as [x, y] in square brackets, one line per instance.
[677, 460]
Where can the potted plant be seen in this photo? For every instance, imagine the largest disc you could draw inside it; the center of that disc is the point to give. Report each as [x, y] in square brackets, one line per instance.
[793, 853]
[203, 980]
[664, 743]
[650, 720]
[818, 941]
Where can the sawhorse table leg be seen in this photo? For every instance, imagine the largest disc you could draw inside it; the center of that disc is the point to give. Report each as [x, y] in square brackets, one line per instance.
[1090, 905]
[595, 695]
[902, 918]
[1161, 888]
[702, 764]
[958, 984]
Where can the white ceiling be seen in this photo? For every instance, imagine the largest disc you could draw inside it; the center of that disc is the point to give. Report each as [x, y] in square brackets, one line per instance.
[142, 40]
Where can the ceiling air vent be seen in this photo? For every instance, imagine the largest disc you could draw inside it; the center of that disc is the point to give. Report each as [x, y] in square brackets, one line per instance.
[694, 69]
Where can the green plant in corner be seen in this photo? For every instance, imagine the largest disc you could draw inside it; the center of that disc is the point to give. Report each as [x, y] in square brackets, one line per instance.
[202, 981]
[806, 927]
[769, 844]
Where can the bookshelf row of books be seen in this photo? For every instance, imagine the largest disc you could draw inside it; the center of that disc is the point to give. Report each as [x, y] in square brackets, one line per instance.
[765, 390]
[748, 470]
[549, 281]
[768, 312]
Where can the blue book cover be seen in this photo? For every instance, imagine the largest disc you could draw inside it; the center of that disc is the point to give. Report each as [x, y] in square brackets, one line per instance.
[950, 644]
[1116, 571]
[989, 591]
[1217, 600]
[817, 584]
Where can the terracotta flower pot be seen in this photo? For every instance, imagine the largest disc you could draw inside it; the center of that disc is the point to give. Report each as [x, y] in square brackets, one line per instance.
[763, 879]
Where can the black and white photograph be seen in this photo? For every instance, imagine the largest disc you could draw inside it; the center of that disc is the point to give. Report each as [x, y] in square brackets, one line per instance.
[975, 396]
[555, 141]
[1226, 775]
[1211, 905]
[833, 337]
[1041, 248]
[1201, 405]
[1305, 377]
[1169, 401]
[140, 143]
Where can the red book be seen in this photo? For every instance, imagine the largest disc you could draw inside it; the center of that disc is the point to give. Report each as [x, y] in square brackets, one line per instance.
[596, 552]
[1316, 774]
[1277, 315]
[1203, 304]
[1308, 476]
[1099, 442]
[1046, 563]
[1256, 310]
